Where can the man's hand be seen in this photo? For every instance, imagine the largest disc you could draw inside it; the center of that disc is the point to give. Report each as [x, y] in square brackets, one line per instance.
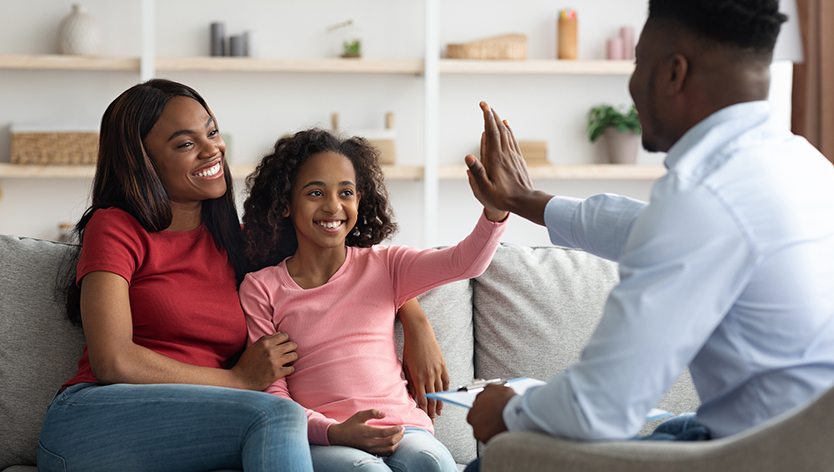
[500, 180]
[355, 432]
[486, 414]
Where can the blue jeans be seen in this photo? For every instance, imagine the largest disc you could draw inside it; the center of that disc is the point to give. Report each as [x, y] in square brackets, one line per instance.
[163, 427]
[418, 451]
[680, 428]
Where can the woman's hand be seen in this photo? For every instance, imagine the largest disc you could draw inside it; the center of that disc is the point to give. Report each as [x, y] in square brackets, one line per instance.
[355, 432]
[423, 362]
[267, 360]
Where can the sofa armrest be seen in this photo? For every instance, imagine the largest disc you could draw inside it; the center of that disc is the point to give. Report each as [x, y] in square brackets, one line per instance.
[533, 452]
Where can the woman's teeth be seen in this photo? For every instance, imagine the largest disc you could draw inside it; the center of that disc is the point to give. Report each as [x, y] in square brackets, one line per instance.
[213, 170]
[330, 224]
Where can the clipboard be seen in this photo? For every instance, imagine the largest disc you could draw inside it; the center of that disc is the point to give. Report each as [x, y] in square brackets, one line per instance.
[465, 395]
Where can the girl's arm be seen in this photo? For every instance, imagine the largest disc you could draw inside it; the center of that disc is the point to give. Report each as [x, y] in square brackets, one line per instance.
[114, 358]
[423, 362]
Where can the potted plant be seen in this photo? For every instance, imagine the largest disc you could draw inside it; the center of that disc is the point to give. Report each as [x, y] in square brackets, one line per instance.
[352, 49]
[621, 129]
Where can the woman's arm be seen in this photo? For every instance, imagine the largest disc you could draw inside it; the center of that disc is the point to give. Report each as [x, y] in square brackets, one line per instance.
[115, 358]
[423, 362]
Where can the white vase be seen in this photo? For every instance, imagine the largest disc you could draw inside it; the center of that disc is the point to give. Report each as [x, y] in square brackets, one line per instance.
[79, 33]
[622, 147]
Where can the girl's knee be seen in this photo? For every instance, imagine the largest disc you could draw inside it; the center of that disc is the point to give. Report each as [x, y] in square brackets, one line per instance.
[425, 461]
[369, 464]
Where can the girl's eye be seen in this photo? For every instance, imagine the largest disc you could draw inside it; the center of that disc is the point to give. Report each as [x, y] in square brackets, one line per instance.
[213, 133]
[315, 193]
[348, 193]
[185, 145]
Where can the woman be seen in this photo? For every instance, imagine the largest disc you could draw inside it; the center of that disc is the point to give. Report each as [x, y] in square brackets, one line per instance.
[160, 262]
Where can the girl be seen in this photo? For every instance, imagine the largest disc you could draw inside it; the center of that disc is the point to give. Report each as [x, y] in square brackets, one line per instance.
[318, 209]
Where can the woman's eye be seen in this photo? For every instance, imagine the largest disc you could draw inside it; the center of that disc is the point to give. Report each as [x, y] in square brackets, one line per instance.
[185, 145]
[213, 133]
[315, 193]
[347, 193]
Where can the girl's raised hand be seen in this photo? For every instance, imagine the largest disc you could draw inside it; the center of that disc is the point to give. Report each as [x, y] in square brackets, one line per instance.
[265, 361]
[500, 180]
[355, 432]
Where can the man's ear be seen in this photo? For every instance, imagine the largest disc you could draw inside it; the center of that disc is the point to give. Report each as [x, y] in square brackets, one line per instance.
[677, 68]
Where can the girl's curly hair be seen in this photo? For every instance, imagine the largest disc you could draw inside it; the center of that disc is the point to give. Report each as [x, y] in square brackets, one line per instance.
[269, 236]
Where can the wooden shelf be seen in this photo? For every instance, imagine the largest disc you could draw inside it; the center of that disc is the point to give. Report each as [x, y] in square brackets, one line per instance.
[574, 172]
[69, 62]
[250, 64]
[239, 171]
[534, 66]
[326, 65]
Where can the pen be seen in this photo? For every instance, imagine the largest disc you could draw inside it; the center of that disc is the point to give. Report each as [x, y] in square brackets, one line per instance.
[479, 384]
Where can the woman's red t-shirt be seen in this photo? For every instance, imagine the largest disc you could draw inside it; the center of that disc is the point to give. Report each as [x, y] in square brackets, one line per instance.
[183, 295]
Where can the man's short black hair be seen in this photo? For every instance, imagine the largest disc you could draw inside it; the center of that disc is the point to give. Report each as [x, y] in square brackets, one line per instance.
[747, 24]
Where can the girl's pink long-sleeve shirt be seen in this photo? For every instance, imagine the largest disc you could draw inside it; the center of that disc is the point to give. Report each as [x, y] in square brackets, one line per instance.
[347, 359]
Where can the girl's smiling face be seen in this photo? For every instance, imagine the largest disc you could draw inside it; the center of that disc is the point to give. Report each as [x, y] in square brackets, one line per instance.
[324, 201]
[187, 149]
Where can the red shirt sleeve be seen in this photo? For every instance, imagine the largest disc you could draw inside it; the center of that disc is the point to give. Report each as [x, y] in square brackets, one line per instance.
[111, 244]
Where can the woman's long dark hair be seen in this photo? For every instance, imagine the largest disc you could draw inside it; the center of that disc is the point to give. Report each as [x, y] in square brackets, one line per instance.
[127, 178]
[270, 236]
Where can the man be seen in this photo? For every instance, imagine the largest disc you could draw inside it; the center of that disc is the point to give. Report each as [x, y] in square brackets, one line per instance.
[728, 268]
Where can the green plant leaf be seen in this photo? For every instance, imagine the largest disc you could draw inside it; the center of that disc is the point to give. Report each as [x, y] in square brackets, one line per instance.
[607, 116]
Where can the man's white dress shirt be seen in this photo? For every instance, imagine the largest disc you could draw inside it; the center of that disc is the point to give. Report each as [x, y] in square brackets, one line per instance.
[729, 269]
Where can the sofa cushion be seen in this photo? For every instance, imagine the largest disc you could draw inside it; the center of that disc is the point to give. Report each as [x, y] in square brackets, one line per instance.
[38, 346]
[449, 309]
[536, 308]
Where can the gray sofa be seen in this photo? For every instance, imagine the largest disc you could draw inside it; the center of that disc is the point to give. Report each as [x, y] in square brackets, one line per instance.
[529, 315]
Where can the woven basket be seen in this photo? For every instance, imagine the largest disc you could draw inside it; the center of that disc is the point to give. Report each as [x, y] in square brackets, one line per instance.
[508, 46]
[57, 148]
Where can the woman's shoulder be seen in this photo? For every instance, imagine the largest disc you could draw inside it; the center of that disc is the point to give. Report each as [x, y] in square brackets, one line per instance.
[114, 216]
[113, 223]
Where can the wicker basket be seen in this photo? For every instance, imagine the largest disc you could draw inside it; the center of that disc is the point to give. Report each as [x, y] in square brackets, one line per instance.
[56, 148]
[508, 46]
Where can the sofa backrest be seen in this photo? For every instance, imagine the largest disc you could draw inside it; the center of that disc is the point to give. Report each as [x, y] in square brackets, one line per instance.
[39, 348]
[533, 310]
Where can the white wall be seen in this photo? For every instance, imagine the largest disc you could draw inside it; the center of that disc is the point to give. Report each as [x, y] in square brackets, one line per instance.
[256, 108]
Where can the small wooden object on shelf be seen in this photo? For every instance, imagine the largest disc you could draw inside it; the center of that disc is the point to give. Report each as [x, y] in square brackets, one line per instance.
[508, 46]
[31, 146]
[386, 142]
[534, 152]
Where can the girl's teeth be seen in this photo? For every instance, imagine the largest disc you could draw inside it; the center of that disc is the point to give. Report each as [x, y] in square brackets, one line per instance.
[330, 224]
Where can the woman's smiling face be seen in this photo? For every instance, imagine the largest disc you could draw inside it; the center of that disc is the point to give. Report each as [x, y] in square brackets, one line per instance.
[186, 147]
[324, 201]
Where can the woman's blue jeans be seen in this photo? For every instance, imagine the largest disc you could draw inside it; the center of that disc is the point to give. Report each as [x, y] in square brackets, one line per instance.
[418, 451]
[166, 427]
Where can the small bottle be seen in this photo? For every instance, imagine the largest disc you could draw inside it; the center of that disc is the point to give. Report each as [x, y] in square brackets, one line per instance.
[566, 43]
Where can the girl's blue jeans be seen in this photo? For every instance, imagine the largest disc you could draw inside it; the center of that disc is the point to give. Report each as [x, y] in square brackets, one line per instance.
[166, 427]
[418, 451]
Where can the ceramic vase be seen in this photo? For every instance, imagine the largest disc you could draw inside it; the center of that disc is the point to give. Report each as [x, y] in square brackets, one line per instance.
[79, 33]
[622, 147]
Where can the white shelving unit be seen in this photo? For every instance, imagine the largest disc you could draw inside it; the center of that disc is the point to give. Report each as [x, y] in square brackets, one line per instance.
[430, 70]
